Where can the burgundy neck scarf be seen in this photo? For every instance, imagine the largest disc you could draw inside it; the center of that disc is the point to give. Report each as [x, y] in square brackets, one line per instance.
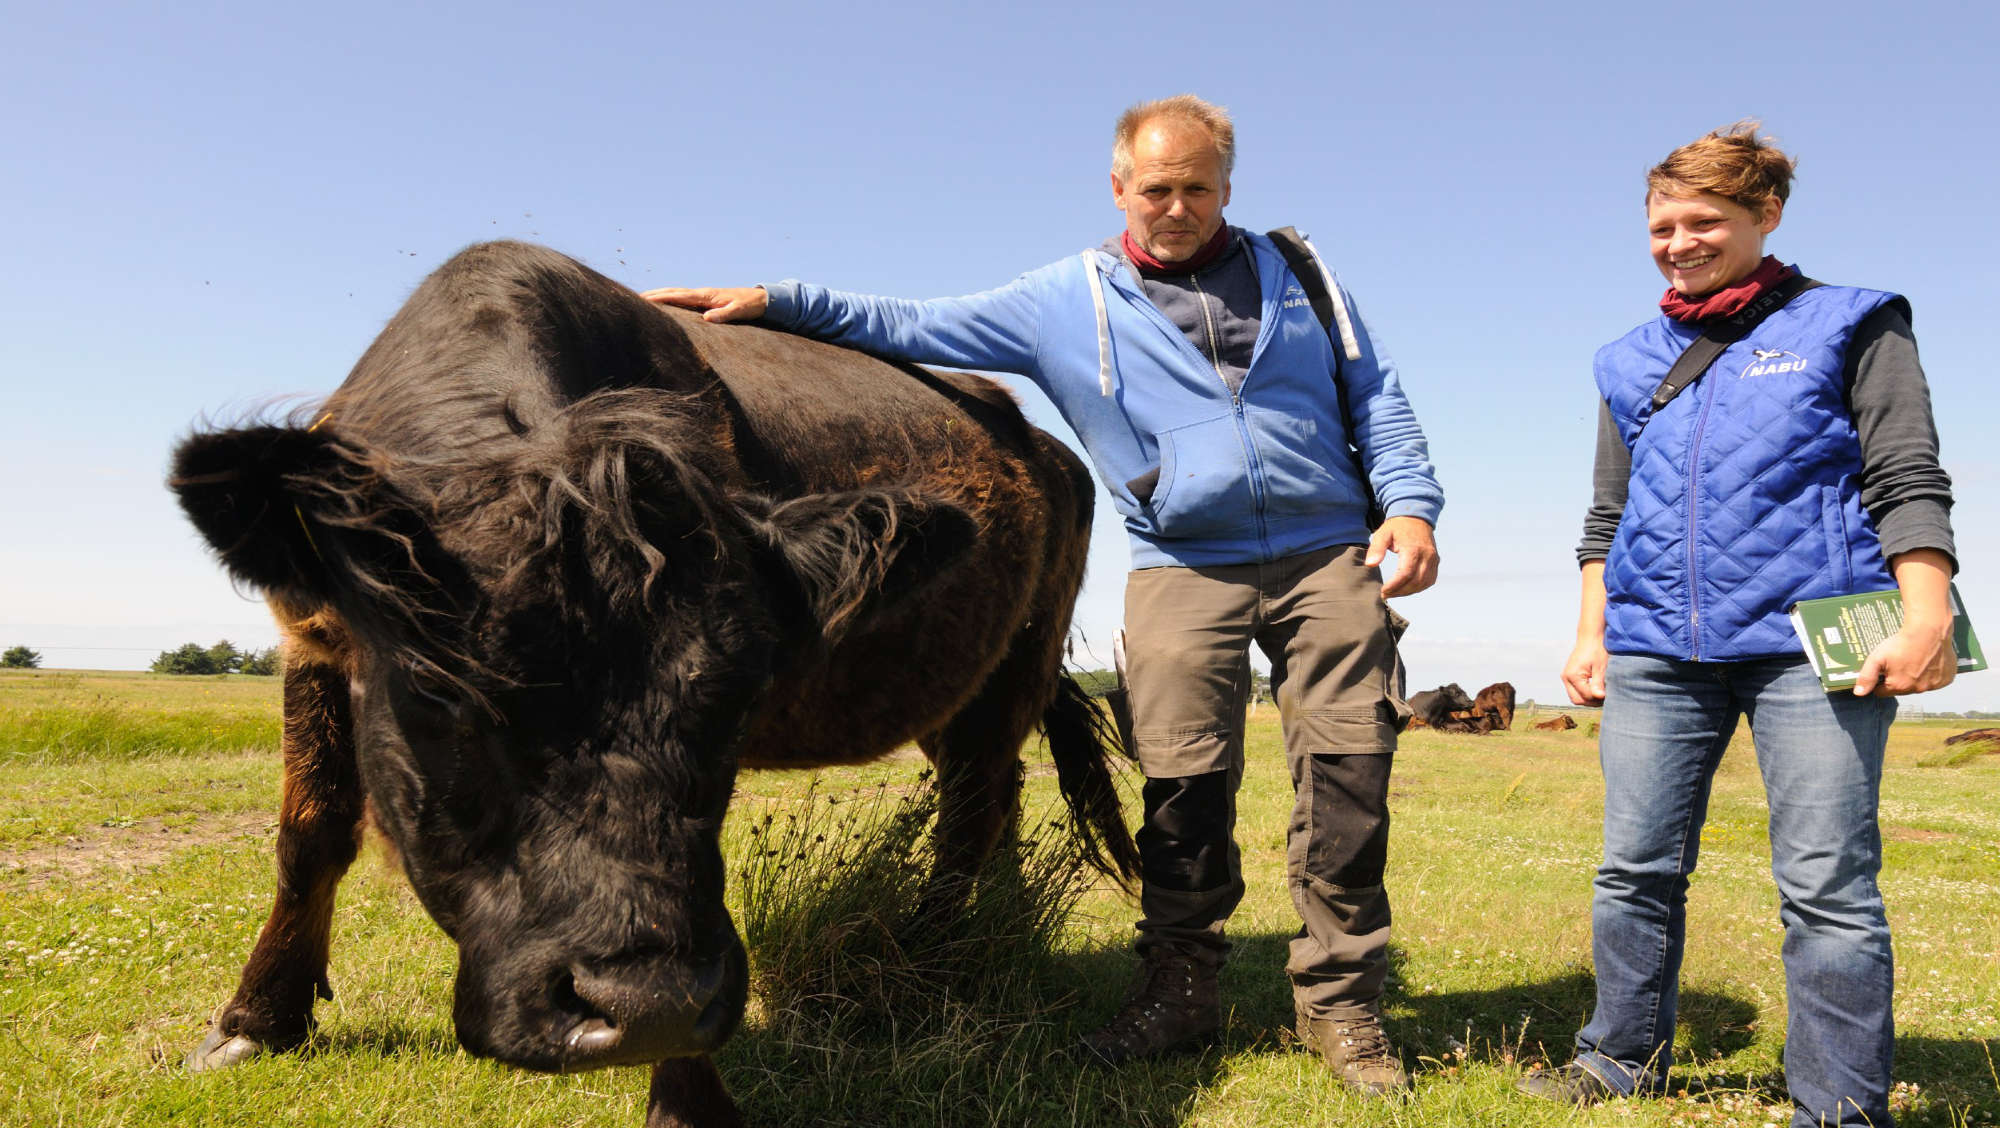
[1727, 300]
[1209, 252]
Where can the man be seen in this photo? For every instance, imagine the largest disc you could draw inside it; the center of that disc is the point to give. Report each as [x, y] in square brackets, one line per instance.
[1190, 362]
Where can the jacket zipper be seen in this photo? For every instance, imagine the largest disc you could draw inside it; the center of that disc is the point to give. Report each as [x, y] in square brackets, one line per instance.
[1242, 423]
[1694, 495]
[1208, 323]
[1135, 288]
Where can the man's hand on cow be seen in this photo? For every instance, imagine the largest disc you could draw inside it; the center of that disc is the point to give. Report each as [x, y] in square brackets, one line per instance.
[1416, 555]
[1583, 674]
[723, 303]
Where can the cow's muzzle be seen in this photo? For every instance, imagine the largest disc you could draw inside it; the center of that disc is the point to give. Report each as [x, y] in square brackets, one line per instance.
[637, 1012]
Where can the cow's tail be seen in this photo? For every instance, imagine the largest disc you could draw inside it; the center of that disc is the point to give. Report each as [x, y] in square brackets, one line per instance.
[1083, 742]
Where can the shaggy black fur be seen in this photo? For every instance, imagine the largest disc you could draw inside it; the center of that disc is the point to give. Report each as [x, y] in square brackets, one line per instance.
[574, 559]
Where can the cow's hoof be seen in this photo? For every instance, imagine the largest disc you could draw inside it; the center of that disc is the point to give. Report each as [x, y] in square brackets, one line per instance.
[220, 1051]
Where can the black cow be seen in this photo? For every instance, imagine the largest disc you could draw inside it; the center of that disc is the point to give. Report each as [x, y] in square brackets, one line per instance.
[552, 564]
[1434, 707]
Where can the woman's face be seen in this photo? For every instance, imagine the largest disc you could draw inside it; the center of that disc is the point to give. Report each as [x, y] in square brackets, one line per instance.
[1704, 243]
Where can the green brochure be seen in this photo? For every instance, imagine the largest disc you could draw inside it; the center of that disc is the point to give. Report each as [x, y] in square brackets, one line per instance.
[1839, 631]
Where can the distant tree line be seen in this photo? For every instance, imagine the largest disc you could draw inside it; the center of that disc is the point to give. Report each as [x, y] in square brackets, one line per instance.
[222, 658]
[20, 658]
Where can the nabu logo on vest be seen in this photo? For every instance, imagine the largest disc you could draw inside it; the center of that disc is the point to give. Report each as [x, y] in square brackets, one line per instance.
[1294, 298]
[1772, 362]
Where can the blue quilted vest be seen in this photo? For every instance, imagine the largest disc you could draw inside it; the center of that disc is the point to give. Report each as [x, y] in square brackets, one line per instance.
[1746, 490]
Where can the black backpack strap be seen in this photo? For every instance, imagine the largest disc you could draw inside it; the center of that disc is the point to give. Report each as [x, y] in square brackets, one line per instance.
[1305, 268]
[1719, 335]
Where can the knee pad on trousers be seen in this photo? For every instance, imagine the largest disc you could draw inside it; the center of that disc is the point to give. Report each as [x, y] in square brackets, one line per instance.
[1350, 818]
[1184, 841]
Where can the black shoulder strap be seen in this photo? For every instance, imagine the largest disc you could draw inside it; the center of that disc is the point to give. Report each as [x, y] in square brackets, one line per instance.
[1305, 268]
[1719, 335]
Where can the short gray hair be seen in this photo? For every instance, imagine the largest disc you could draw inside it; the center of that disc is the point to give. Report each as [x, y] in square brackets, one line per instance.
[1183, 108]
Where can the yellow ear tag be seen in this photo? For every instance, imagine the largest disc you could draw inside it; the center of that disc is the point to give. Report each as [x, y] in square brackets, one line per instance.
[307, 530]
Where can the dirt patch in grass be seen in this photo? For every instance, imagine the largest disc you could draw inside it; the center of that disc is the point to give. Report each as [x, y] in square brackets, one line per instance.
[124, 847]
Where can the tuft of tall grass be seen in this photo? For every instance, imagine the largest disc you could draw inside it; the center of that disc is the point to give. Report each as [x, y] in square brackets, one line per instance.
[832, 890]
[855, 981]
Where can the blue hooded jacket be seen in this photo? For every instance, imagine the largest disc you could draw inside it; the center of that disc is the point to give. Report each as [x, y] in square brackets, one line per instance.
[1246, 477]
[1745, 494]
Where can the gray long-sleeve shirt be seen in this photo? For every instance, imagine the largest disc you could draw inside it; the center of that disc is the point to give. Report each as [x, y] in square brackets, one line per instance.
[1905, 490]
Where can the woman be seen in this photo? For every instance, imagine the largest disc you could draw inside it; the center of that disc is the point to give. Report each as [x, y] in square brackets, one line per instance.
[1802, 464]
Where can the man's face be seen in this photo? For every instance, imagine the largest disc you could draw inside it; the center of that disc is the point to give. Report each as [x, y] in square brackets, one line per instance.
[1173, 199]
[1704, 243]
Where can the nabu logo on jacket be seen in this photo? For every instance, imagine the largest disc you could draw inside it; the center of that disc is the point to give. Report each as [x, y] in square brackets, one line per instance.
[1772, 362]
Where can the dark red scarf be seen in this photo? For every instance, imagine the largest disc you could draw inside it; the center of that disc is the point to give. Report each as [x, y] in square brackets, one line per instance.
[1727, 300]
[1209, 252]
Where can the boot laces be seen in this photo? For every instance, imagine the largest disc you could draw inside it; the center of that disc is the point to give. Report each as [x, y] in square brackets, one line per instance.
[1168, 984]
[1362, 1038]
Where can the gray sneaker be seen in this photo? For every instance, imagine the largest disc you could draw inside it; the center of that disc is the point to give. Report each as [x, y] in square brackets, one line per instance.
[1355, 1049]
[1174, 1005]
[1570, 1084]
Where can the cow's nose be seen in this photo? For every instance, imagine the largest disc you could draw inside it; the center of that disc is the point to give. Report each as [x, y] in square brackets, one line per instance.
[652, 1010]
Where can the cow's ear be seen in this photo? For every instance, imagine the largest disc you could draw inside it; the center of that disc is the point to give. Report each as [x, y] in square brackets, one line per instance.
[248, 490]
[305, 517]
[857, 551]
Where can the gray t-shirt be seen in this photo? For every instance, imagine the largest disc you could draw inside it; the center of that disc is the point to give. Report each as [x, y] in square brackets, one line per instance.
[1219, 308]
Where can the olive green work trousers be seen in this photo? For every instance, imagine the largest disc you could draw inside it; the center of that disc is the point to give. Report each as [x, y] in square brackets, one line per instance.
[1320, 620]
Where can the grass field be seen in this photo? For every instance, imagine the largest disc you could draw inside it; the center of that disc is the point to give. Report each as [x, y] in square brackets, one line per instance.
[137, 815]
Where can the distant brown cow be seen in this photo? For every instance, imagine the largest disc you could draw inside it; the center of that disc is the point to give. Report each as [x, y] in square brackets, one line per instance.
[1561, 722]
[1497, 701]
[1973, 736]
[1477, 722]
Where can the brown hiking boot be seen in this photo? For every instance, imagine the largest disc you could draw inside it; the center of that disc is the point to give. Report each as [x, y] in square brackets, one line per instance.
[1355, 1049]
[1174, 1005]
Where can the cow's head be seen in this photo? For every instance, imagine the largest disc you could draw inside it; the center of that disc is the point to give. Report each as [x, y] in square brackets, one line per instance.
[553, 657]
[1436, 706]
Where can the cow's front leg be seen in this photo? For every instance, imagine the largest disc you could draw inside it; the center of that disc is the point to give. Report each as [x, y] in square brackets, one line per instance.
[979, 796]
[319, 832]
[688, 1092]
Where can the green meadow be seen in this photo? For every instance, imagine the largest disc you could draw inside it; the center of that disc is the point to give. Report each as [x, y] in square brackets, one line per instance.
[137, 815]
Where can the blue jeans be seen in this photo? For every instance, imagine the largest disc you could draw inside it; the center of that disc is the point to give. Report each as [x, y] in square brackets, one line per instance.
[1664, 729]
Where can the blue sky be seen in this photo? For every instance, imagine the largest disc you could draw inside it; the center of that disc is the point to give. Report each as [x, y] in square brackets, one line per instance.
[214, 207]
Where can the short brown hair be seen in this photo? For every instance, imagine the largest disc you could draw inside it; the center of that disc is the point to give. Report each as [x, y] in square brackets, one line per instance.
[1735, 163]
[1184, 108]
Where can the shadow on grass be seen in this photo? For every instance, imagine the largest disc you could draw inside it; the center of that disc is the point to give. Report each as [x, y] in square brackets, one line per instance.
[1962, 1072]
[1524, 1021]
[970, 1063]
[874, 1080]
[388, 1039]
[992, 1068]
[976, 1062]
